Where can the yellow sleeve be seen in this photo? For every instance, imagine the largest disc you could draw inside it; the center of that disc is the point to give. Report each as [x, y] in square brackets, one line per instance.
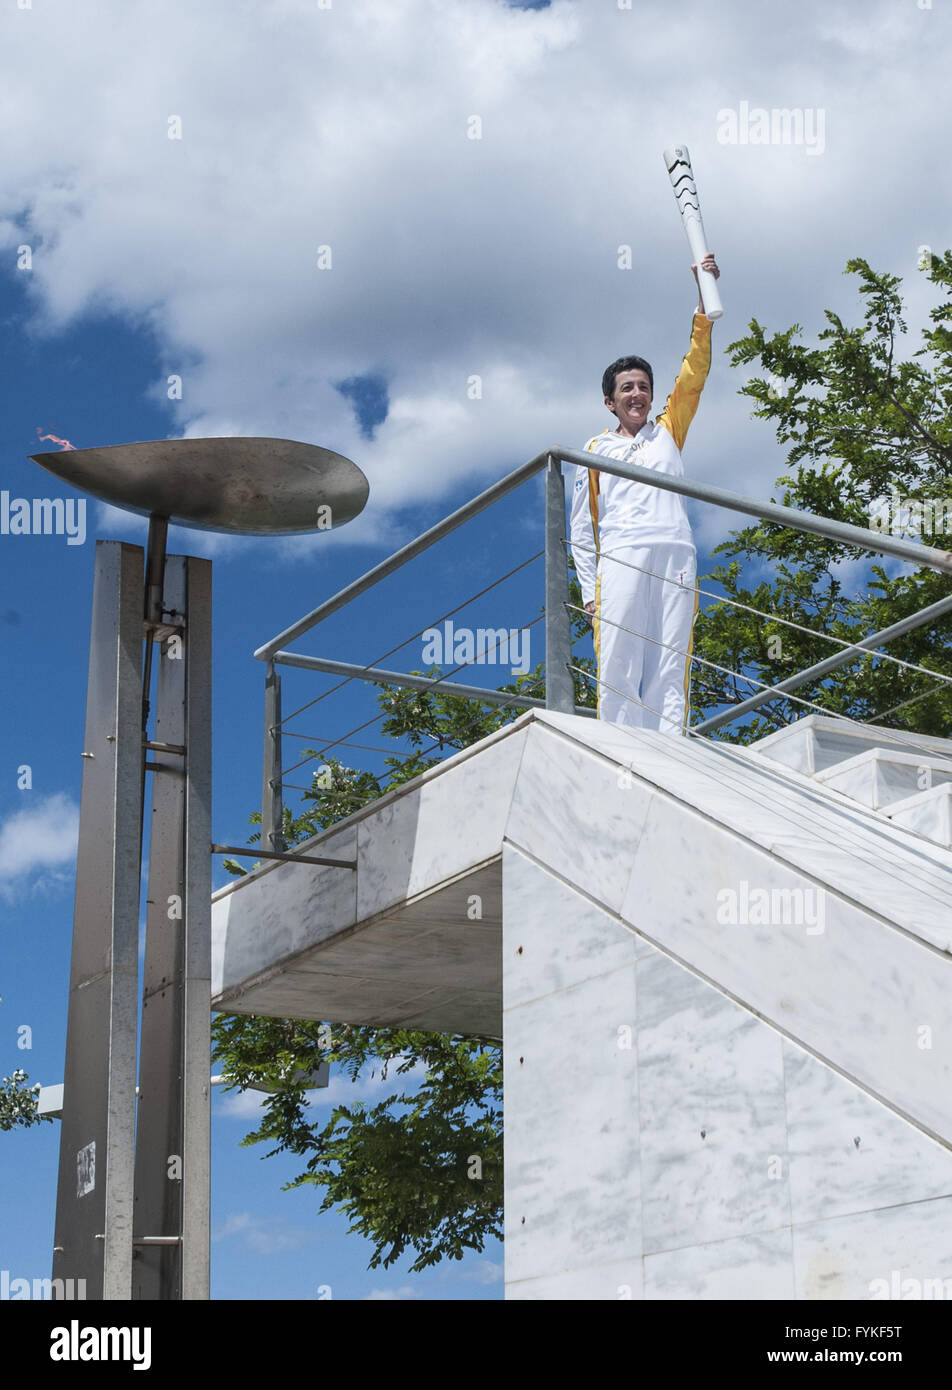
[683, 401]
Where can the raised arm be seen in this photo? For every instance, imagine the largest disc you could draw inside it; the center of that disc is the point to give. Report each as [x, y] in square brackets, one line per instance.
[683, 402]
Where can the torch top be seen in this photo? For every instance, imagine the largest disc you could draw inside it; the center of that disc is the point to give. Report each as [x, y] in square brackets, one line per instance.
[241, 485]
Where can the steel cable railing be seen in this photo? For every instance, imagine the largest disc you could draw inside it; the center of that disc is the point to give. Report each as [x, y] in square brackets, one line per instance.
[914, 700]
[435, 681]
[906, 741]
[281, 722]
[861, 648]
[560, 669]
[449, 614]
[425, 685]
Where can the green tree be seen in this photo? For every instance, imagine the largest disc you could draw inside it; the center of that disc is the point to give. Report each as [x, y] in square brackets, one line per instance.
[18, 1103]
[863, 422]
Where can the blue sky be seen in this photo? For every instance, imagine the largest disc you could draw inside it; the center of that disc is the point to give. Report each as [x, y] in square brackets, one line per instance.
[458, 249]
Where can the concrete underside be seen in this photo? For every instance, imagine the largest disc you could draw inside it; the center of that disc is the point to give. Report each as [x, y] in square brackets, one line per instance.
[415, 966]
[697, 1099]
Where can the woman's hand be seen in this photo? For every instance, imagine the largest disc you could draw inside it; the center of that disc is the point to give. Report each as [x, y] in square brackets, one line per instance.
[709, 264]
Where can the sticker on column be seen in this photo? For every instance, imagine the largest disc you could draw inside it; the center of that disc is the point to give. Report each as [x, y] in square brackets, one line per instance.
[86, 1170]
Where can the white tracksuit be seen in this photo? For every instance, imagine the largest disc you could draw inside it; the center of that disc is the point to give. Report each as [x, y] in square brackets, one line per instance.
[620, 528]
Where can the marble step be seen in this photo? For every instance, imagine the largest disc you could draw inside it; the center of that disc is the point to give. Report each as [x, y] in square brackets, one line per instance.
[928, 813]
[882, 776]
[818, 741]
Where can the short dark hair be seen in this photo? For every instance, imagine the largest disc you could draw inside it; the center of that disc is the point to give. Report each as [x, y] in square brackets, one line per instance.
[625, 364]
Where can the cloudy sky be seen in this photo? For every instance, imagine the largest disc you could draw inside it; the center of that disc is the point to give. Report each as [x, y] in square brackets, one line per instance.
[328, 221]
[473, 168]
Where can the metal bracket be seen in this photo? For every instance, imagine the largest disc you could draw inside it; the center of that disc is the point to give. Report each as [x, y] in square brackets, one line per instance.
[290, 858]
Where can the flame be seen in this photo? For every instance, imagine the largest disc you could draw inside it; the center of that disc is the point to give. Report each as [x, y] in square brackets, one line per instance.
[63, 443]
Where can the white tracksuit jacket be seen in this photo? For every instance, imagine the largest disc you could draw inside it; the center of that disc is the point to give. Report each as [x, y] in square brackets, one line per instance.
[621, 528]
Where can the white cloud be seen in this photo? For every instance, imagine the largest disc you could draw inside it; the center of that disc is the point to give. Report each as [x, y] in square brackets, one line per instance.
[484, 1272]
[340, 1090]
[241, 1105]
[41, 837]
[454, 257]
[264, 1237]
[401, 1294]
[235, 1222]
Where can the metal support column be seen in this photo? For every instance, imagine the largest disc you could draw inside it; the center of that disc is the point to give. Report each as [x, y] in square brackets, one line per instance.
[113, 1199]
[272, 830]
[196, 1172]
[171, 1198]
[158, 1205]
[559, 684]
[94, 1202]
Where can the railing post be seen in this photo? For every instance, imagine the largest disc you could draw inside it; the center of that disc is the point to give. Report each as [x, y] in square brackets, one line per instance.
[559, 685]
[272, 836]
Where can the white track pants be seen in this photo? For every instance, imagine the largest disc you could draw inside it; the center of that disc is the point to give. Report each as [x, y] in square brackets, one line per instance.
[640, 668]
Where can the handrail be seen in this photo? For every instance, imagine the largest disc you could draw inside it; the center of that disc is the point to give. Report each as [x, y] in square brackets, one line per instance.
[413, 683]
[401, 557]
[841, 531]
[559, 682]
[408, 682]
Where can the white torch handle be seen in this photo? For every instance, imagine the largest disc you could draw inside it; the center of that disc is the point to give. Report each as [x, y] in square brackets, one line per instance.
[678, 163]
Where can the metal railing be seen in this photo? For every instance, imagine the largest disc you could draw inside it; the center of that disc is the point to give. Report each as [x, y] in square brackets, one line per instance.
[559, 667]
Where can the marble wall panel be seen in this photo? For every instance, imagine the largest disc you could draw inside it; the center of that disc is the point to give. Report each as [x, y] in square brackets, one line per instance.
[554, 938]
[286, 910]
[571, 1180]
[713, 1132]
[751, 1268]
[847, 1152]
[616, 1280]
[855, 993]
[574, 811]
[441, 828]
[893, 1252]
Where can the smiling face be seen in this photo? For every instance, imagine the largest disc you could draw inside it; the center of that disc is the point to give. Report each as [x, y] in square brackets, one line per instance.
[631, 400]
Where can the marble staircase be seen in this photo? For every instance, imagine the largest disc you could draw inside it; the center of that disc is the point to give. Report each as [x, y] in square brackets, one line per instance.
[902, 776]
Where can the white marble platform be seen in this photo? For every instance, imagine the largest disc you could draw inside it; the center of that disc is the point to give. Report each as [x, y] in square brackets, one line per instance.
[817, 741]
[880, 776]
[411, 938]
[657, 831]
[703, 963]
[928, 813]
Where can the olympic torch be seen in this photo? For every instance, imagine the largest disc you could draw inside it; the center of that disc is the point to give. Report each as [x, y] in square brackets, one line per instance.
[678, 163]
